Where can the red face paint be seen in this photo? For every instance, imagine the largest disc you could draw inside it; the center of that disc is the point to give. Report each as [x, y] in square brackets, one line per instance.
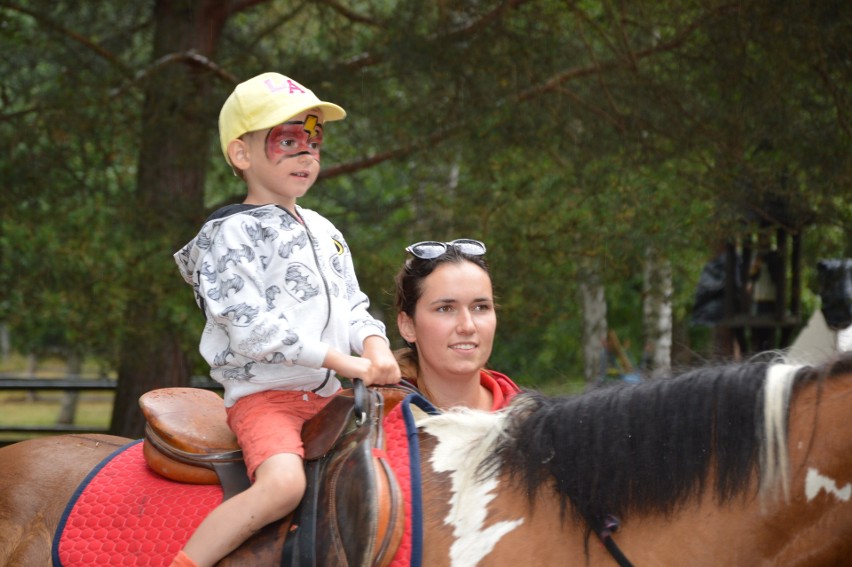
[291, 139]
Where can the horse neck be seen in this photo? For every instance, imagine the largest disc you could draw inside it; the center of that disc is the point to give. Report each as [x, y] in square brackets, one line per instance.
[818, 508]
[820, 438]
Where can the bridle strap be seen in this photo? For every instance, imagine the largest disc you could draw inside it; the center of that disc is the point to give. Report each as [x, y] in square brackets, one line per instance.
[604, 528]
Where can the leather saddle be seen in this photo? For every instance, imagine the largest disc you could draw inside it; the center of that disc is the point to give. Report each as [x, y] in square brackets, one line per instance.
[351, 513]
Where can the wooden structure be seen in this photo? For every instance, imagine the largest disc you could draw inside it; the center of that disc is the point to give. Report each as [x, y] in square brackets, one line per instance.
[748, 327]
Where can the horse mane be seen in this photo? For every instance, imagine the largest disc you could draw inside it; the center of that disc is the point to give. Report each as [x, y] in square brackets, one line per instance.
[654, 446]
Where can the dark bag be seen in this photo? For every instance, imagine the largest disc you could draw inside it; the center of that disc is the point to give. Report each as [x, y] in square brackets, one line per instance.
[708, 308]
[835, 290]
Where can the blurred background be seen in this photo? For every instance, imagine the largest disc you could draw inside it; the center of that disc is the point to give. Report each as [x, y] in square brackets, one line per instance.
[656, 182]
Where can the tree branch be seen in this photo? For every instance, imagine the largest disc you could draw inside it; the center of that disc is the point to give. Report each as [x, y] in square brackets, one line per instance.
[375, 159]
[74, 36]
[369, 59]
[836, 98]
[241, 5]
[350, 14]
[485, 20]
[676, 42]
[191, 56]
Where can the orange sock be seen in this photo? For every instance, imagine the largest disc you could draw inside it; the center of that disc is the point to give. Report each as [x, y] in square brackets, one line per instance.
[183, 560]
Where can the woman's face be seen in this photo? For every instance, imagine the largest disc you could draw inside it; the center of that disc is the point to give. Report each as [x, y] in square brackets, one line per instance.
[454, 321]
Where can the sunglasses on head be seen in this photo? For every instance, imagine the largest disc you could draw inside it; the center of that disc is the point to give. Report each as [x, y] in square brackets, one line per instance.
[431, 249]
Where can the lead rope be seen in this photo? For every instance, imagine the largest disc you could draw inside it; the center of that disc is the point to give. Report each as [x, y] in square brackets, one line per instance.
[607, 526]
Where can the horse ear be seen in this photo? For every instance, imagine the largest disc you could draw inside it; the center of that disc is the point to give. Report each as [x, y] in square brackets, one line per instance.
[406, 327]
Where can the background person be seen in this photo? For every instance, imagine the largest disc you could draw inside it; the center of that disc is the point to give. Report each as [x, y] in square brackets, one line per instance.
[447, 317]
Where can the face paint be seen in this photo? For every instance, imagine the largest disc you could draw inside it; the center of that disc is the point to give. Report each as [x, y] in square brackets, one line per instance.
[291, 139]
[311, 123]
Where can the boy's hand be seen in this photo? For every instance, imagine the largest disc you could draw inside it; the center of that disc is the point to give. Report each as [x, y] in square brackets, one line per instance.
[376, 366]
[383, 368]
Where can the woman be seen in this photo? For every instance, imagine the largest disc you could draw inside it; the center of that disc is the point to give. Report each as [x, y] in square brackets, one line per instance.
[446, 315]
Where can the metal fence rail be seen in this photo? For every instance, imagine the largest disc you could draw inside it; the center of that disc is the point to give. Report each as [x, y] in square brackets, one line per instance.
[67, 383]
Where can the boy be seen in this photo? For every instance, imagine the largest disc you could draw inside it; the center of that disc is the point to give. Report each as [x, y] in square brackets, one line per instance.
[277, 286]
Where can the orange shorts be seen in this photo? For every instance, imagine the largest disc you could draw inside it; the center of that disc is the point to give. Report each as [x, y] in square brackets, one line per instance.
[268, 423]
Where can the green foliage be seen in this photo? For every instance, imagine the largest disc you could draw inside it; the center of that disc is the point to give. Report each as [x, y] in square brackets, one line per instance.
[563, 134]
[68, 168]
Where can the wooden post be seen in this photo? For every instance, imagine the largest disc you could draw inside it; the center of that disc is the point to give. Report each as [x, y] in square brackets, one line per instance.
[781, 277]
[795, 289]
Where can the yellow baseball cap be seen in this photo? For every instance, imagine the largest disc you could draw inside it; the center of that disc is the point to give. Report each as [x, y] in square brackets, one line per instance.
[265, 101]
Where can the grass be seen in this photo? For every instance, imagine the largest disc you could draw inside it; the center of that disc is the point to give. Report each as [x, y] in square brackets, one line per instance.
[42, 408]
[20, 409]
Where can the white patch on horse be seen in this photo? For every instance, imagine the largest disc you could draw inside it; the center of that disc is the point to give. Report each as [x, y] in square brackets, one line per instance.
[465, 438]
[815, 482]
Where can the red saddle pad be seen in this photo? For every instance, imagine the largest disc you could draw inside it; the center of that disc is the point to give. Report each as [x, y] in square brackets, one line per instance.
[125, 514]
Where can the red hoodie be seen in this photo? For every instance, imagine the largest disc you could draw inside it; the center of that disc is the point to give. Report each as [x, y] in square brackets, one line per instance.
[501, 387]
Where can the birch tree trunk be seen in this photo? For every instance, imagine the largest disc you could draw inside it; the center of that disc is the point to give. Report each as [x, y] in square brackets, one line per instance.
[657, 314]
[594, 310]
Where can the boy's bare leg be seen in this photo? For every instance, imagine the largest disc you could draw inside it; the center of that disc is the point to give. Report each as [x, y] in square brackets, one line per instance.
[278, 488]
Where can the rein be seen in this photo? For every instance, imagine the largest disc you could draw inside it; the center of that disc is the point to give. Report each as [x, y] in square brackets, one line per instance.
[604, 528]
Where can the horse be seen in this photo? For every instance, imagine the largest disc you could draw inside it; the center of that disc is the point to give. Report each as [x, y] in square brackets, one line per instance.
[736, 464]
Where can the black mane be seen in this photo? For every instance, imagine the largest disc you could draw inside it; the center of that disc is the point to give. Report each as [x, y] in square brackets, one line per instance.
[640, 448]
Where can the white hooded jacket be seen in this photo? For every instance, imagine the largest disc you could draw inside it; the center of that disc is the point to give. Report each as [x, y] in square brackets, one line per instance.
[276, 294]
